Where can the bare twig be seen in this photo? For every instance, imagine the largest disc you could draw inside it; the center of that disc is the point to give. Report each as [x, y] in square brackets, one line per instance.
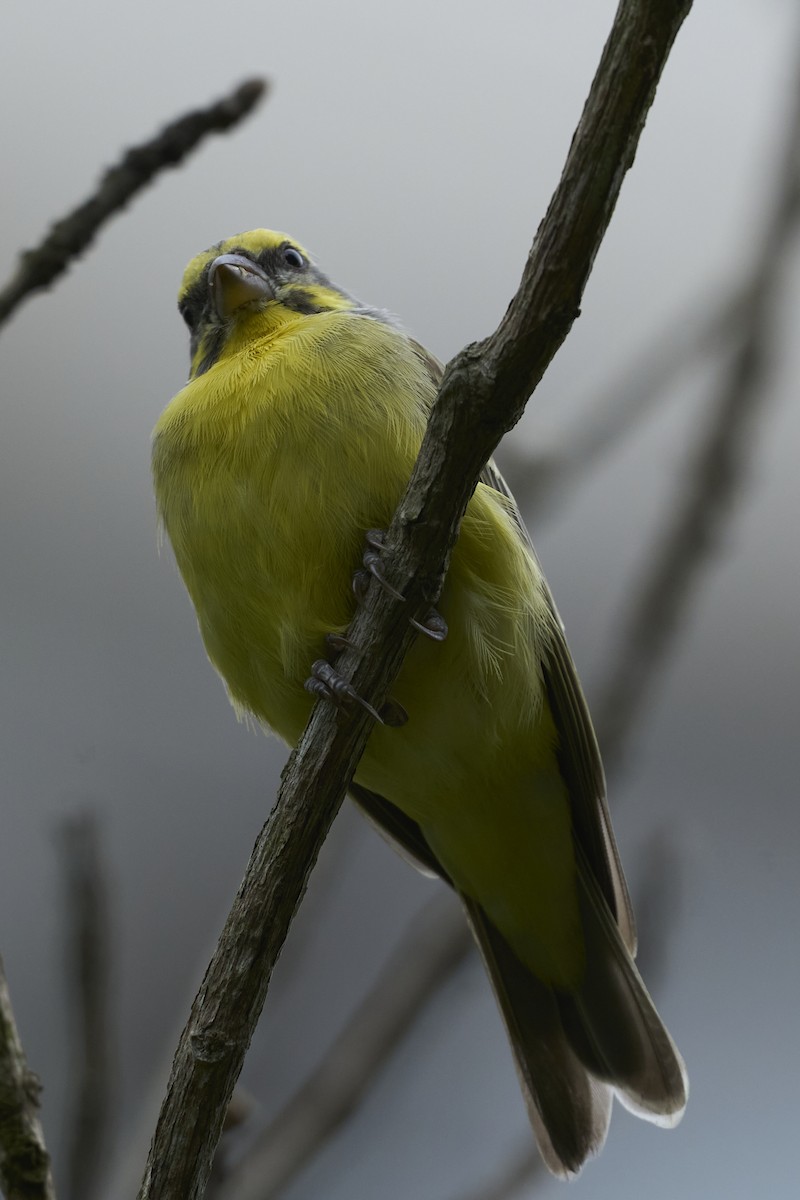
[86, 907]
[24, 1161]
[434, 946]
[716, 476]
[516, 1172]
[482, 395]
[704, 327]
[69, 237]
[124, 1172]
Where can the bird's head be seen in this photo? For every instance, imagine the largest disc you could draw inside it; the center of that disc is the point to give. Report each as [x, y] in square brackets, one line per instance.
[250, 286]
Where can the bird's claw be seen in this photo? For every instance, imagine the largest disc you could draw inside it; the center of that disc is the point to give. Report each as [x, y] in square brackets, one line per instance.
[326, 683]
[336, 642]
[393, 713]
[374, 539]
[433, 626]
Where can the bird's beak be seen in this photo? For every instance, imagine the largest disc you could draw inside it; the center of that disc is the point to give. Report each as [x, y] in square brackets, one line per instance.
[235, 281]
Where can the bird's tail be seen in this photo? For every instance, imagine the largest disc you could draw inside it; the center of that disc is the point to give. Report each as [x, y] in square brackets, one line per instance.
[568, 1110]
[575, 1049]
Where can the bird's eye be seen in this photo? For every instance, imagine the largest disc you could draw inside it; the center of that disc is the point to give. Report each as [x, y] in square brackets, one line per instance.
[292, 257]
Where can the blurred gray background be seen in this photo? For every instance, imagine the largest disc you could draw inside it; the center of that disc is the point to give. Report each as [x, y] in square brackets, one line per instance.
[413, 147]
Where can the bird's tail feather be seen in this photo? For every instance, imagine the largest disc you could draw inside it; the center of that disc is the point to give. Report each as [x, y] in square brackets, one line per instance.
[612, 1024]
[574, 1050]
[569, 1111]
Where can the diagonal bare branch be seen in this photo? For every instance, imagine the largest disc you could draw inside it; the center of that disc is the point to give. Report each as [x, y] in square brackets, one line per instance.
[435, 944]
[706, 326]
[482, 395]
[715, 479]
[69, 237]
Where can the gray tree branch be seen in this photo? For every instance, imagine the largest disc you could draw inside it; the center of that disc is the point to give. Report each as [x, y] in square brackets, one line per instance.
[69, 237]
[482, 395]
[715, 478]
[435, 944]
[706, 326]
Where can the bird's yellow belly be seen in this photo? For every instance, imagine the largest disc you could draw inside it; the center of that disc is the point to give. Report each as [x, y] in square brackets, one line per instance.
[267, 547]
[270, 573]
[264, 602]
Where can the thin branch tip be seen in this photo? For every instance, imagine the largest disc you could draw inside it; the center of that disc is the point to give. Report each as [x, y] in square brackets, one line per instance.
[68, 237]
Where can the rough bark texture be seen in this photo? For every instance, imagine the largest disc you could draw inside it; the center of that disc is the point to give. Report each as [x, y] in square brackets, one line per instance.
[24, 1161]
[436, 944]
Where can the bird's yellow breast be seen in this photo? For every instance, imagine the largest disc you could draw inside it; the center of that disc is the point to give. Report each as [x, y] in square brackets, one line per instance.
[268, 471]
[269, 468]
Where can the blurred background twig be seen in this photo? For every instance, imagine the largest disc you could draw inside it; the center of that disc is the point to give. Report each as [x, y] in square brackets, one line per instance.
[435, 945]
[714, 480]
[70, 236]
[86, 960]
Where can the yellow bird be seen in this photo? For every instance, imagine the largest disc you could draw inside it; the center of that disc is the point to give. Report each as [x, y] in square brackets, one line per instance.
[296, 434]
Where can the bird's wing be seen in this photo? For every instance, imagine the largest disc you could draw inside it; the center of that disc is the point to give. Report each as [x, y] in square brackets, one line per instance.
[579, 756]
[402, 832]
[571, 1048]
[578, 753]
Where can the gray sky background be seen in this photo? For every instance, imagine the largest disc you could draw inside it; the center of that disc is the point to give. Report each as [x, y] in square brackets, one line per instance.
[413, 148]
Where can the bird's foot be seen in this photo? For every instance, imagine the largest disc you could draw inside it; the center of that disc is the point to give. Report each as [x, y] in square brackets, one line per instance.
[433, 625]
[374, 539]
[326, 683]
[336, 642]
